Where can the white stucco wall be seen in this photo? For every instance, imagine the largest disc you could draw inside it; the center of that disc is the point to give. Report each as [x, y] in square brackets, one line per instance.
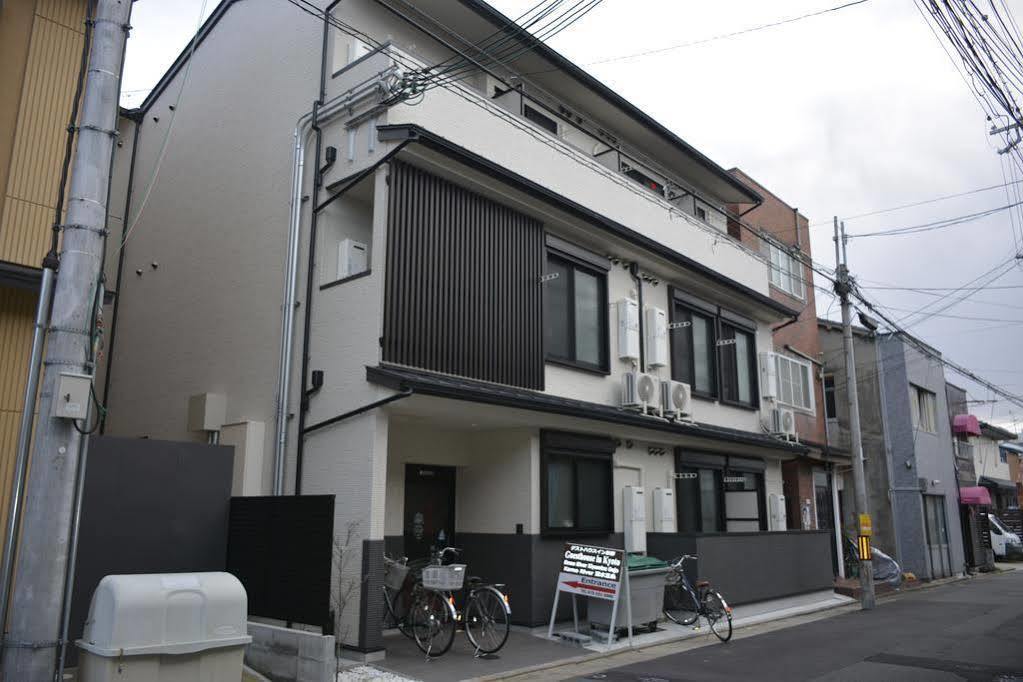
[987, 461]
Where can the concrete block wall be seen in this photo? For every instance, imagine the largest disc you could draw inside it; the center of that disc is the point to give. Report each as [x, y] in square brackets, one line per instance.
[286, 655]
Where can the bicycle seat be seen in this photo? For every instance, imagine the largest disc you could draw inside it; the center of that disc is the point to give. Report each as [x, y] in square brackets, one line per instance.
[703, 583]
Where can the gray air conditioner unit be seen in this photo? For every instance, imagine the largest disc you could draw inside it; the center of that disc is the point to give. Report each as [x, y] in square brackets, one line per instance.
[646, 390]
[783, 422]
[630, 395]
[675, 399]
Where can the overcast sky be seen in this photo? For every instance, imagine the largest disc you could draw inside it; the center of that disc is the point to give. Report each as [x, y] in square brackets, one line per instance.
[839, 114]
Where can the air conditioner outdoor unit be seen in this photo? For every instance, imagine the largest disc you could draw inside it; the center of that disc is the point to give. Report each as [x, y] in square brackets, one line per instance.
[630, 392]
[783, 422]
[675, 399]
[647, 391]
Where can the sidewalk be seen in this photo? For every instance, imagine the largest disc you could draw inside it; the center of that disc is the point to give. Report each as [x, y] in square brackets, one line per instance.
[530, 652]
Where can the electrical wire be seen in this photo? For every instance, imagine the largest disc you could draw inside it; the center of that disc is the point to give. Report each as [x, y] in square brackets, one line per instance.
[166, 138]
[934, 225]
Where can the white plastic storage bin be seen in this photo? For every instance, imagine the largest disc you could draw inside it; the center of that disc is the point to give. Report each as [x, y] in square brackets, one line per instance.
[165, 627]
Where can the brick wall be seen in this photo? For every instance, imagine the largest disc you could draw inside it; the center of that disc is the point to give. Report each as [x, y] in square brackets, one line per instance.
[788, 226]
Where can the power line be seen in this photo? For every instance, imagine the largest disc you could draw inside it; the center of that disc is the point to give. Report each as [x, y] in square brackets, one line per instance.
[914, 204]
[935, 225]
[711, 39]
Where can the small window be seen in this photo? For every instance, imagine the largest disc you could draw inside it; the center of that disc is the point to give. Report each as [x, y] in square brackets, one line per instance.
[830, 408]
[786, 272]
[701, 213]
[922, 408]
[542, 120]
[795, 382]
[693, 359]
[738, 366]
[576, 485]
[575, 314]
[644, 180]
[1003, 457]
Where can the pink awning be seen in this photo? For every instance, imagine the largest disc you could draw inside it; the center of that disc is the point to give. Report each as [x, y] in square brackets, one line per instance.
[975, 495]
[966, 424]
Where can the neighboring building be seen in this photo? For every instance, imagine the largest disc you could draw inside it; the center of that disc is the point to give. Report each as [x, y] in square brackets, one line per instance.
[40, 54]
[1015, 457]
[974, 501]
[812, 482]
[991, 462]
[496, 261]
[913, 492]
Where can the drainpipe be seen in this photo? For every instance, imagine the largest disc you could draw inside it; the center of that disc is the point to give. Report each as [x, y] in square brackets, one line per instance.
[311, 265]
[634, 273]
[374, 85]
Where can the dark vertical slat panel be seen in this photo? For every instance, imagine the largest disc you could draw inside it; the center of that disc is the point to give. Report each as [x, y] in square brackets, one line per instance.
[463, 293]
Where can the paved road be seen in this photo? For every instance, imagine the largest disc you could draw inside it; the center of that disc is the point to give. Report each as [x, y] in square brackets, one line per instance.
[968, 630]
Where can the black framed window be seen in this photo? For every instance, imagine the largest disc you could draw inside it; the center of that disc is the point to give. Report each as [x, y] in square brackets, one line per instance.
[576, 485]
[575, 314]
[700, 508]
[542, 120]
[830, 408]
[692, 346]
[737, 351]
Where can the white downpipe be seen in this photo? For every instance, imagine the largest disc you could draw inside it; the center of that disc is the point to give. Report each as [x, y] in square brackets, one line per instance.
[303, 127]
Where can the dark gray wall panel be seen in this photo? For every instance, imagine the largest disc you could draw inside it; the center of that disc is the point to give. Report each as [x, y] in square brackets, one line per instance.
[149, 506]
[463, 293]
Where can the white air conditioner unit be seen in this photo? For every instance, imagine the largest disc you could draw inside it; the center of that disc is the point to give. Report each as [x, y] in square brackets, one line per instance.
[676, 398]
[768, 376]
[647, 390]
[783, 422]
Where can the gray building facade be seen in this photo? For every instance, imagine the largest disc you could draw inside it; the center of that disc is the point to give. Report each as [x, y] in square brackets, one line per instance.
[907, 445]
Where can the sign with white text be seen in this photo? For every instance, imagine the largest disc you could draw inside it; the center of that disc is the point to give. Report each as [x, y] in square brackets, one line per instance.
[593, 562]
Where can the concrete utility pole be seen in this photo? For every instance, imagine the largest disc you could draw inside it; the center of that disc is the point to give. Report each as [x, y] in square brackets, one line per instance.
[843, 287]
[35, 624]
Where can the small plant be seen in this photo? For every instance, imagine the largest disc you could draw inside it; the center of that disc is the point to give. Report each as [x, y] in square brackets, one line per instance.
[344, 588]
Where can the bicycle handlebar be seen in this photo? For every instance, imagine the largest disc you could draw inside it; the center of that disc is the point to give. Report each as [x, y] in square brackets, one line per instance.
[682, 559]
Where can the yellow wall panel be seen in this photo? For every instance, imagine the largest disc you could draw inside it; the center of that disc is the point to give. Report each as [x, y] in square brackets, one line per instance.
[25, 232]
[69, 13]
[45, 107]
[17, 314]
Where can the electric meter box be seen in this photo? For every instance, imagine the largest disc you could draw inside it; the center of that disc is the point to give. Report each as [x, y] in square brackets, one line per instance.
[352, 258]
[73, 395]
[634, 512]
[165, 627]
[664, 510]
[628, 329]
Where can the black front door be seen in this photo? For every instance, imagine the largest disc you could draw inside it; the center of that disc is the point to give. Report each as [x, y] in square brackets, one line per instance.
[429, 508]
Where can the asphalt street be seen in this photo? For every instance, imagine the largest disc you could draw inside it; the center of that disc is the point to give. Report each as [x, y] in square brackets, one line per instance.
[967, 630]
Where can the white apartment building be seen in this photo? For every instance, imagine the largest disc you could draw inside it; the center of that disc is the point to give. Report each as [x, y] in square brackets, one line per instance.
[454, 307]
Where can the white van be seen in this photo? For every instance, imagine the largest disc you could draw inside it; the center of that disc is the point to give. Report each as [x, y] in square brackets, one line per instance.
[1004, 542]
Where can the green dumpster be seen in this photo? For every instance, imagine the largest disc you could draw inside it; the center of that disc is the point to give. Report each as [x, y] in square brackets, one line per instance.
[646, 587]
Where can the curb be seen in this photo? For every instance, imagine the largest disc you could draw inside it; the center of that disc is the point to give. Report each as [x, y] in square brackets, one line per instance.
[751, 621]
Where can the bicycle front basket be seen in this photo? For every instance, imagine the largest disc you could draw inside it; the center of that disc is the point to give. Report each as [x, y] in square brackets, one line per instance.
[394, 573]
[446, 578]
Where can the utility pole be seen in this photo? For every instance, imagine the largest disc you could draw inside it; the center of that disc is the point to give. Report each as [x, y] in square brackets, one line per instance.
[843, 288]
[35, 633]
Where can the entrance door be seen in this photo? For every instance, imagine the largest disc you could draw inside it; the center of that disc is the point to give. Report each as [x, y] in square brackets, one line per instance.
[824, 503]
[937, 536]
[429, 508]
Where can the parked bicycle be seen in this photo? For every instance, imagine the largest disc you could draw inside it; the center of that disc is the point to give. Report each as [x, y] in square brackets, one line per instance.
[684, 604]
[431, 616]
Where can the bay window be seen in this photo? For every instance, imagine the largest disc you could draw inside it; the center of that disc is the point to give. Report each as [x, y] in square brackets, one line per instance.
[795, 382]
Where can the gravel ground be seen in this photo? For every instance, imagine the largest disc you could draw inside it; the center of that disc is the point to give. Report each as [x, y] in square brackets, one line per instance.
[367, 673]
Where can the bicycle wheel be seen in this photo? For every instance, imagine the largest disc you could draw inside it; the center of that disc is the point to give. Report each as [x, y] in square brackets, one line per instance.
[719, 615]
[487, 623]
[396, 606]
[433, 623]
[680, 603]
